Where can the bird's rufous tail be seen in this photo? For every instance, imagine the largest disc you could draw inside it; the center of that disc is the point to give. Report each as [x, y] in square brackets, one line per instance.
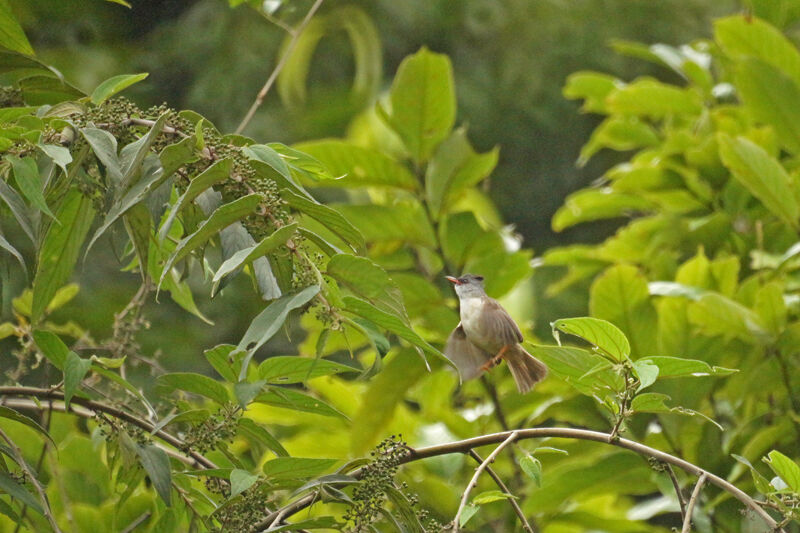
[526, 369]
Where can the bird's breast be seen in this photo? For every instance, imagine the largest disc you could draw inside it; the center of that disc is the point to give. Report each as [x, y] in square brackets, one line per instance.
[471, 310]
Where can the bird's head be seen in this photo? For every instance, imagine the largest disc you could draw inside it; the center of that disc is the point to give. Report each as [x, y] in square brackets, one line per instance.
[468, 285]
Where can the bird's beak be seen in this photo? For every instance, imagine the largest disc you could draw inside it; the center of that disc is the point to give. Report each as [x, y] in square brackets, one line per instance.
[453, 280]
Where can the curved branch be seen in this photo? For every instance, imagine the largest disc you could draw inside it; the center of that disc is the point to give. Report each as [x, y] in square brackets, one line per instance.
[687, 520]
[464, 446]
[33, 392]
[502, 486]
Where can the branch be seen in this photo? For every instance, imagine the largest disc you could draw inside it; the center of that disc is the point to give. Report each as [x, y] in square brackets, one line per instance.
[173, 441]
[463, 446]
[687, 520]
[678, 492]
[48, 513]
[279, 67]
[474, 481]
[502, 486]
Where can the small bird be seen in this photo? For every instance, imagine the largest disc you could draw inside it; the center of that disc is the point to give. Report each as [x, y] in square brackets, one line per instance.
[486, 335]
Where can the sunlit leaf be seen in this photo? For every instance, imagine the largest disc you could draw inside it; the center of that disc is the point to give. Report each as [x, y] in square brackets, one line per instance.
[295, 369]
[296, 401]
[282, 468]
[603, 334]
[788, 470]
[113, 85]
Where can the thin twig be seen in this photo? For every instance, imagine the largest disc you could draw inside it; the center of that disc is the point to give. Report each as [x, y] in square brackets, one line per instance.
[502, 486]
[687, 520]
[279, 67]
[46, 417]
[678, 492]
[463, 446]
[474, 481]
[136, 523]
[48, 513]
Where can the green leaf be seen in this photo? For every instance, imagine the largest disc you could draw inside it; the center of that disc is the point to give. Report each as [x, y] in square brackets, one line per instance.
[467, 513]
[104, 146]
[218, 357]
[113, 85]
[322, 522]
[252, 429]
[358, 166]
[10, 486]
[387, 223]
[654, 99]
[423, 102]
[588, 372]
[771, 95]
[216, 173]
[328, 217]
[597, 204]
[282, 468]
[646, 372]
[11, 414]
[715, 314]
[269, 321]
[762, 175]
[284, 369]
[592, 88]
[785, 468]
[13, 38]
[195, 383]
[27, 176]
[134, 154]
[60, 248]
[75, 370]
[367, 280]
[221, 218]
[621, 133]
[52, 347]
[532, 468]
[245, 391]
[621, 296]
[650, 402]
[296, 401]
[7, 246]
[248, 255]
[59, 154]
[601, 333]
[490, 496]
[18, 208]
[761, 483]
[241, 480]
[155, 462]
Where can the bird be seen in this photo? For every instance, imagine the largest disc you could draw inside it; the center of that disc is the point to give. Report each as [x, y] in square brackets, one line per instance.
[488, 335]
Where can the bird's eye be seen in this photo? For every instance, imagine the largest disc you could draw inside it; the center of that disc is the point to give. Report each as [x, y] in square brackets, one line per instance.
[479, 278]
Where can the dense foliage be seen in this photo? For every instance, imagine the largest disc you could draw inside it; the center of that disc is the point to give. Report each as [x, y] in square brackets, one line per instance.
[348, 239]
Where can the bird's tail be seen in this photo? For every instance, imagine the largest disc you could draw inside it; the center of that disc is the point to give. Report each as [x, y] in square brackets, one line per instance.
[526, 369]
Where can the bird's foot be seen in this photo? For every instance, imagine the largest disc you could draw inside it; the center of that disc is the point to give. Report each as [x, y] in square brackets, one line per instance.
[494, 361]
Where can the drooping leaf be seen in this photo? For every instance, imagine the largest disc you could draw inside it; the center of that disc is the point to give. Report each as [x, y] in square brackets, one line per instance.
[588, 372]
[676, 367]
[601, 333]
[248, 255]
[13, 38]
[59, 154]
[75, 370]
[241, 480]
[10, 486]
[104, 146]
[195, 383]
[113, 85]
[533, 468]
[155, 462]
[8, 247]
[26, 173]
[597, 204]
[18, 208]
[11, 414]
[60, 249]
[52, 347]
[134, 154]
[328, 217]
[385, 223]
[260, 434]
[218, 358]
[367, 280]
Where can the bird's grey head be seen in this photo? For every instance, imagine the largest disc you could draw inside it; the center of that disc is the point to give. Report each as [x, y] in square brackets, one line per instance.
[468, 285]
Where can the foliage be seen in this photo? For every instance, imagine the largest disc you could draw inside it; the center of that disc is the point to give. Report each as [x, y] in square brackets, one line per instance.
[352, 237]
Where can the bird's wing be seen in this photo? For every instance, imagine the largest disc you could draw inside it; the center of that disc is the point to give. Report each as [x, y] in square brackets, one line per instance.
[501, 326]
[467, 357]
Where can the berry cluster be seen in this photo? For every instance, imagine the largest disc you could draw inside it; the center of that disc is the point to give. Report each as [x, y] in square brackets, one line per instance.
[208, 434]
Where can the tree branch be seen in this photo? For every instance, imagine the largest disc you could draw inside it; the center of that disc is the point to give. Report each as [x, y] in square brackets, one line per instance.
[678, 492]
[463, 446]
[474, 481]
[502, 486]
[48, 513]
[687, 520]
[279, 67]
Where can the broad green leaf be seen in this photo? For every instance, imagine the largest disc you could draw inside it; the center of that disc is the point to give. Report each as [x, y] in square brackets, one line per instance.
[13, 38]
[646, 372]
[590, 373]
[369, 281]
[533, 468]
[175, 155]
[60, 249]
[221, 218]
[133, 155]
[284, 369]
[241, 480]
[236, 238]
[592, 88]
[392, 323]
[245, 391]
[762, 175]
[423, 102]
[248, 255]
[268, 155]
[601, 333]
[454, 167]
[296, 401]
[218, 357]
[252, 429]
[75, 370]
[771, 95]
[597, 204]
[620, 133]
[740, 37]
[715, 314]
[652, 98]
[59, 154]
[785, 468]
[104, 146]
[358, 166]
[328, 217]
[467, 513]
[761, 483]
[26, 174]
[216, 173]
[269, 321]
[52, 347]
[11, 414]
[676, 367]
[490, 496]
[386, 223]
[10, 486]
[195, 383]
[113, 85]
[650, 402]
[155, 462]
[620, 295]
[282, 468]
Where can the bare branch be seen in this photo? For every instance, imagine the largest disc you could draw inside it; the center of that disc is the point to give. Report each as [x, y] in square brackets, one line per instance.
[502, 486]
[678, 492]
[687, 519]
[474, 481]
[279, 67]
